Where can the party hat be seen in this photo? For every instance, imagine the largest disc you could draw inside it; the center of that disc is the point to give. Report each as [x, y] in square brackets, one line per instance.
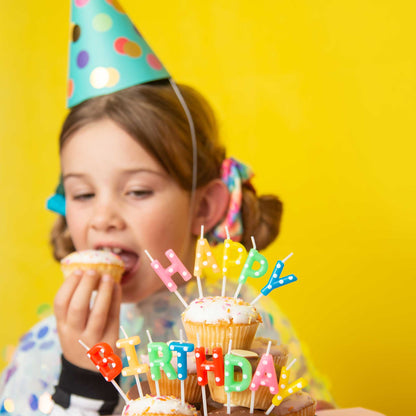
[107, 52]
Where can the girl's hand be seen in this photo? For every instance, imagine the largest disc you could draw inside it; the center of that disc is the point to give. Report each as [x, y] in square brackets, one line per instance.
[75, 320]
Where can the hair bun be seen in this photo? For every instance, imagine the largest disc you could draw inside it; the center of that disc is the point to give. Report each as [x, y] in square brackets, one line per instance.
[261, 218]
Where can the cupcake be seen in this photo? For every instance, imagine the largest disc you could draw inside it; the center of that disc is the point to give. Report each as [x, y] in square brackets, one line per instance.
[160, 405]
[104, 262]
[278, 351]
[263, 397]
[297, 404]
[193, 393]
[217, 319]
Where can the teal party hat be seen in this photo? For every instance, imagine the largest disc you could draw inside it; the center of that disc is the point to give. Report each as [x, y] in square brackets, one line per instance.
[107, 52]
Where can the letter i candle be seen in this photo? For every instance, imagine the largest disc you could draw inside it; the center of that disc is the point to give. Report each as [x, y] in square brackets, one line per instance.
[134, 368]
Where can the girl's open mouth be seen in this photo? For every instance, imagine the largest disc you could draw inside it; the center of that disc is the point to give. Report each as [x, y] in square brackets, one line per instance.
[130, 260]
[131, 264]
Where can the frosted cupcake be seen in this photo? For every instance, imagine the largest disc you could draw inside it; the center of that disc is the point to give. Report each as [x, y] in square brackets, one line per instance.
[160, 405]
[263, 397]
[104, 262]
[217, 319]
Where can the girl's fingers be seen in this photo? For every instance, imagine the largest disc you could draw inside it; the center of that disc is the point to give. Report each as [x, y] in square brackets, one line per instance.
[65, 294]
[98, 317]
[114, 312]
[79, 307]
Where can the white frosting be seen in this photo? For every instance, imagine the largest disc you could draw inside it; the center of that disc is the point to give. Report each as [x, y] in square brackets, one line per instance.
[216, 309]
[167, 405]
[92, 257]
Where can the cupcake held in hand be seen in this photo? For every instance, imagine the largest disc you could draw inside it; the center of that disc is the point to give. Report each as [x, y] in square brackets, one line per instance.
[104, 262]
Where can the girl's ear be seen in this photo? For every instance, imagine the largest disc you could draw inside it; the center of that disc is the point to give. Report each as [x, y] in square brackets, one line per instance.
[211, 204]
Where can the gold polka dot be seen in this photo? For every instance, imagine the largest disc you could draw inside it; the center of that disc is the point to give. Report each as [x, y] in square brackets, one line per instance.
[75, 31]
[132, 49]
[114, 77]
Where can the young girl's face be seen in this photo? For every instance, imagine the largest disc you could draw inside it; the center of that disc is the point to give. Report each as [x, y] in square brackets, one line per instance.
[118, 197]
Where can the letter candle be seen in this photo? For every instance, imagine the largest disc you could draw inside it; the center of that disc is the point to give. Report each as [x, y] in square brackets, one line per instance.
[160, 357]
[233, 255]
[182, 349]
[265, 375]
[248, 271]
[203, 366]
[284, 389]
[203, 258]
[108, 363]
[230, 384]
[156, 380]
[275, 280]
[165, 275]
[134, 368]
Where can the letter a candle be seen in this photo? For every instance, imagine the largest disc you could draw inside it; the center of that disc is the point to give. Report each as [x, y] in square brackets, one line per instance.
[203, 258]
[265, 375]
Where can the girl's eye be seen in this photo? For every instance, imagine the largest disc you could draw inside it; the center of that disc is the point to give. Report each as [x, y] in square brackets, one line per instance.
[140, 193]
[83, 197]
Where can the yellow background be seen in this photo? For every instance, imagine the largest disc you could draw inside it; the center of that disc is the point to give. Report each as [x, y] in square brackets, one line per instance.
[319, 97]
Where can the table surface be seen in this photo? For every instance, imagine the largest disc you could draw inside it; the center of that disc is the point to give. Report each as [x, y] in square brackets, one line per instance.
[356, 411]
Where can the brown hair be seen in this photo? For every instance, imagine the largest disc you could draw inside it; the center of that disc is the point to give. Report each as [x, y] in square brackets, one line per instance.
[153, 115]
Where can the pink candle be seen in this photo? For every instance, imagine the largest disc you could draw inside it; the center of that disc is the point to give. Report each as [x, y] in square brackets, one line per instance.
[265, 375]
[176, 266]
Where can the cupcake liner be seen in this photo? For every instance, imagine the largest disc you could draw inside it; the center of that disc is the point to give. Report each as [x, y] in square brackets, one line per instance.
[219, 335]
[306, 411]
[167, 387]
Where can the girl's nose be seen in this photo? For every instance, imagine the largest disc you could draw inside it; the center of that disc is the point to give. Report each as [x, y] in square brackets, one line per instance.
[107, 217]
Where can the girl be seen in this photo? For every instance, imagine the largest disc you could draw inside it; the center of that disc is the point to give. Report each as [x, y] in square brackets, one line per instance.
[127, 172]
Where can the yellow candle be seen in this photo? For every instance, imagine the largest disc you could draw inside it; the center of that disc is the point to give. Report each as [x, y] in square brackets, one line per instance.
[204, 257]
[234, 255]
[286, 389]
[134, 367]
